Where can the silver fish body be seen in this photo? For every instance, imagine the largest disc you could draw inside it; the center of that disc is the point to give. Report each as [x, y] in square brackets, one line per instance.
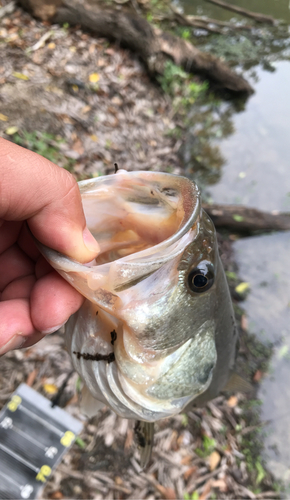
[156, 332]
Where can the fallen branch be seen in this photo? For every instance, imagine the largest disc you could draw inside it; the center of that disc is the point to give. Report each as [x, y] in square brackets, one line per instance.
[204, 22]
[260, 18]
[194, 21]
[223, 24]
[248, 220]
[154, 46]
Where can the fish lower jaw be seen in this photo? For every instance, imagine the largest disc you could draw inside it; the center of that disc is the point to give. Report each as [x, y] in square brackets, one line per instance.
[111, 388]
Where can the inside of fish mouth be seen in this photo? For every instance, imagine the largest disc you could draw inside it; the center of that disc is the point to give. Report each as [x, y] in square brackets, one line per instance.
[128, 222]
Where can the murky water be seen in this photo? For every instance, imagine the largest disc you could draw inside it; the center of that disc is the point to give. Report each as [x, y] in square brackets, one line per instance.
[255, 171]
[279, 9]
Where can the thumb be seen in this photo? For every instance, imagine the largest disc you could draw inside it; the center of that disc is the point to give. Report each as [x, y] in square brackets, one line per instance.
[34, 189]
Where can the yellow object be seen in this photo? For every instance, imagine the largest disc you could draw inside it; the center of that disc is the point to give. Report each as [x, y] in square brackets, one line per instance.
[67, 438]
[50, 388]
[94, 77]
[214, 460]
[14, 403]
[43, 474]
[242, 287]
[21, 76]
[3, 118]
[11, 130]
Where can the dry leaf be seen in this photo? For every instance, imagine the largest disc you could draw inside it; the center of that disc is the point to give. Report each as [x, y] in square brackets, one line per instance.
[78, 147]
[94, 77]
[186, 460]
[167, 493]
[31, 377]
[213, 460]
[206, 490]
[3, 118]
[117, 100]
[232, 401]
[56, 495]
[129, 439]
[189, 472]
[94, 138]
[92, 48]
[86, 109]
[11, 130]
[101, 62]
[258, 375]
[221, 485]
[242, 287]
[50, 388]
[21, 76]
[51, 46]
[244, 322]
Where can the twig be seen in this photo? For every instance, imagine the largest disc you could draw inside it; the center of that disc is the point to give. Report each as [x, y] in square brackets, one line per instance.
[7, 9]
[260, 18]
[203, 479]
[203, 22]
[268, 494]
[252, 428]
[195, 23]
[41, 41]
[225, 24]
[245, 219]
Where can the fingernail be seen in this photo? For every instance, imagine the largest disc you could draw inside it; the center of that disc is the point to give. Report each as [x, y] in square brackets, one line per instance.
[53, 329]
[90, 241]
[14, 343]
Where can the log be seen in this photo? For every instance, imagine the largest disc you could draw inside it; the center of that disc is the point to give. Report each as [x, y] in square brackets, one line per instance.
[246, 220]
[129, 29]
[260, 18]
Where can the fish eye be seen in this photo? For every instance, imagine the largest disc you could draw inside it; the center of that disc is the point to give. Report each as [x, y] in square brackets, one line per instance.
[201, 278]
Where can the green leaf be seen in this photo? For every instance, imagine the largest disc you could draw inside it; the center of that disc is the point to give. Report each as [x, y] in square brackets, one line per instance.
[261, 472]
[79, 384]
[238, 218]
[242, 287]
[80, 443]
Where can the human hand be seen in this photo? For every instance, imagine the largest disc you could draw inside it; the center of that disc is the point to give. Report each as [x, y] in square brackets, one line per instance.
[35, 193]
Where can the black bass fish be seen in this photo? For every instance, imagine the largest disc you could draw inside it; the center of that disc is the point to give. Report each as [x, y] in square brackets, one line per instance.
[157, 330]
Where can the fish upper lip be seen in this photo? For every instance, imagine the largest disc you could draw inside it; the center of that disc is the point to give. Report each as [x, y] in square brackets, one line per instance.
[185, 226]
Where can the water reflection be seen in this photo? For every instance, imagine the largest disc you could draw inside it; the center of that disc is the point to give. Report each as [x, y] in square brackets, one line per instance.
[200, 153]
[257, 171]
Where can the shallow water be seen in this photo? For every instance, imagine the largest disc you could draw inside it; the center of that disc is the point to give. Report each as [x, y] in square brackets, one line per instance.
[256, 172]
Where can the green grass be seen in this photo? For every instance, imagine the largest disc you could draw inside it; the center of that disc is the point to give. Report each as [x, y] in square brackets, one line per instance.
[45, 144]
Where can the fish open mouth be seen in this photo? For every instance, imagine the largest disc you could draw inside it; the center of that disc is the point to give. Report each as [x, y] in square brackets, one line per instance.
[142, 222]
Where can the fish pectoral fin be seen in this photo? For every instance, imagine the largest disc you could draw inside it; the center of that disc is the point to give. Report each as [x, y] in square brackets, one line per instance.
[89, 405]
[144, 435]
[237, 383]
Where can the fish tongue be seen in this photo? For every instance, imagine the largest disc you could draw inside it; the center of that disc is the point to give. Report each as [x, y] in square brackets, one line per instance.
[144, 434]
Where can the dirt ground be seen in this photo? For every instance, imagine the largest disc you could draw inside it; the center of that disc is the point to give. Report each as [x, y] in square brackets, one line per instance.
[87, 104]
